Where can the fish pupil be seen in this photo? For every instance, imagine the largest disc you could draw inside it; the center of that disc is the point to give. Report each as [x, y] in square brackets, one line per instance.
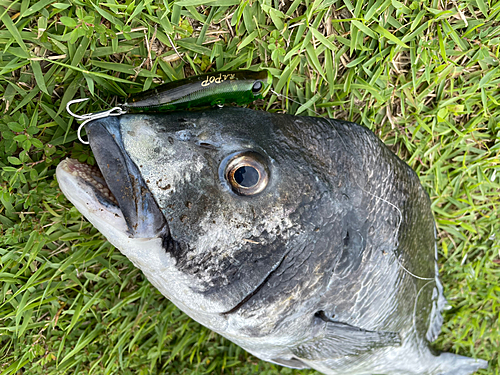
[246, 176]
[257, 86]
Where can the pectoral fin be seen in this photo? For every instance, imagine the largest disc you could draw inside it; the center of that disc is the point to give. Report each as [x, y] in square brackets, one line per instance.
[292, 362]
[336, 339]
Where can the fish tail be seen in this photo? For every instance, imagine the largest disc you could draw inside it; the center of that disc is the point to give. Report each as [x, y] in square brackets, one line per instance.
[454, 364]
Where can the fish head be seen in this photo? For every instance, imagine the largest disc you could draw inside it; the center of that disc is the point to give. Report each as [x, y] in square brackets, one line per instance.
[205, 203]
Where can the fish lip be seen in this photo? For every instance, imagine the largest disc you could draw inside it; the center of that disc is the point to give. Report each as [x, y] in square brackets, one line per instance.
[141, 212]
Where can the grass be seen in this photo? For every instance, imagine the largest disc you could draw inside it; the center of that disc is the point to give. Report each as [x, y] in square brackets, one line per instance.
[423, 75]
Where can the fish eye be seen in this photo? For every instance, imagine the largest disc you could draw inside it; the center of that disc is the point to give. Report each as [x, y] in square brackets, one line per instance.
[247, 173]
[257, 86]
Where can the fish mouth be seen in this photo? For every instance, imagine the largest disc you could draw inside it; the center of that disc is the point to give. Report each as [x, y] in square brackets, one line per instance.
[92, 177]
[116, 183]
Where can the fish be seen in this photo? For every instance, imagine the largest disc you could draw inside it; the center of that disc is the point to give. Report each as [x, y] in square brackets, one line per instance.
[304, 240]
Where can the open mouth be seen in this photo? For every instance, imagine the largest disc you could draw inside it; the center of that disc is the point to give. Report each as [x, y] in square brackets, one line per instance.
[91, 175]
[116, 181]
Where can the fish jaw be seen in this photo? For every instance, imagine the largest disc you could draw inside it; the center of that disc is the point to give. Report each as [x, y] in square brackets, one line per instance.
[139, 208]
[106, 216]
[73, 181]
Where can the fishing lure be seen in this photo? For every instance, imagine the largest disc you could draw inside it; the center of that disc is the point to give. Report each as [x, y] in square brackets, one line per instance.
[239, 86]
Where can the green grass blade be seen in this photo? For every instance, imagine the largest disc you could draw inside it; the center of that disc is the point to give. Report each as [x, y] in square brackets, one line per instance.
[383, 32]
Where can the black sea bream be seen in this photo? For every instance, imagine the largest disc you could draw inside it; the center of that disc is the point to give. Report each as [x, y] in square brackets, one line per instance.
[304, 240]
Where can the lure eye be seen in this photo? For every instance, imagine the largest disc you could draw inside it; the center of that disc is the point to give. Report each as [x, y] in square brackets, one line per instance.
[247, 173]
[257, 86]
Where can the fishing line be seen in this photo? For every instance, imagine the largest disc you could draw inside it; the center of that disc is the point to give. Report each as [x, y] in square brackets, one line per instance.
[400, 214]
[415, 305]
[296, 102]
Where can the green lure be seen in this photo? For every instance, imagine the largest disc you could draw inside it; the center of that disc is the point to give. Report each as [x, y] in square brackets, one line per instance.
[239, 86]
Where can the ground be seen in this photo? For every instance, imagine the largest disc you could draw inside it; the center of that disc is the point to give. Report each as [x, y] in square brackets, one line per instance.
[423, 75]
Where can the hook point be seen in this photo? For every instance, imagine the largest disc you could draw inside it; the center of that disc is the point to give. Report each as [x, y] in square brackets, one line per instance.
[74, 101]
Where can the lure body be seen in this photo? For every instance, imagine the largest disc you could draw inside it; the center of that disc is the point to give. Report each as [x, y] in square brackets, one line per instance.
[240, 87]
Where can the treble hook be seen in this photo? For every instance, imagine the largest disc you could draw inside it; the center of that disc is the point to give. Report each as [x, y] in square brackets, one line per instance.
[115, 111]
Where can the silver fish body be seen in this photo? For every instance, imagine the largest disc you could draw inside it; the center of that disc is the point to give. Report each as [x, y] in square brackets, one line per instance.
[328, 261]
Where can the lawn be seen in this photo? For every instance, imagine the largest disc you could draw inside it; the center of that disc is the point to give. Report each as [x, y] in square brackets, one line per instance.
[423, 75]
